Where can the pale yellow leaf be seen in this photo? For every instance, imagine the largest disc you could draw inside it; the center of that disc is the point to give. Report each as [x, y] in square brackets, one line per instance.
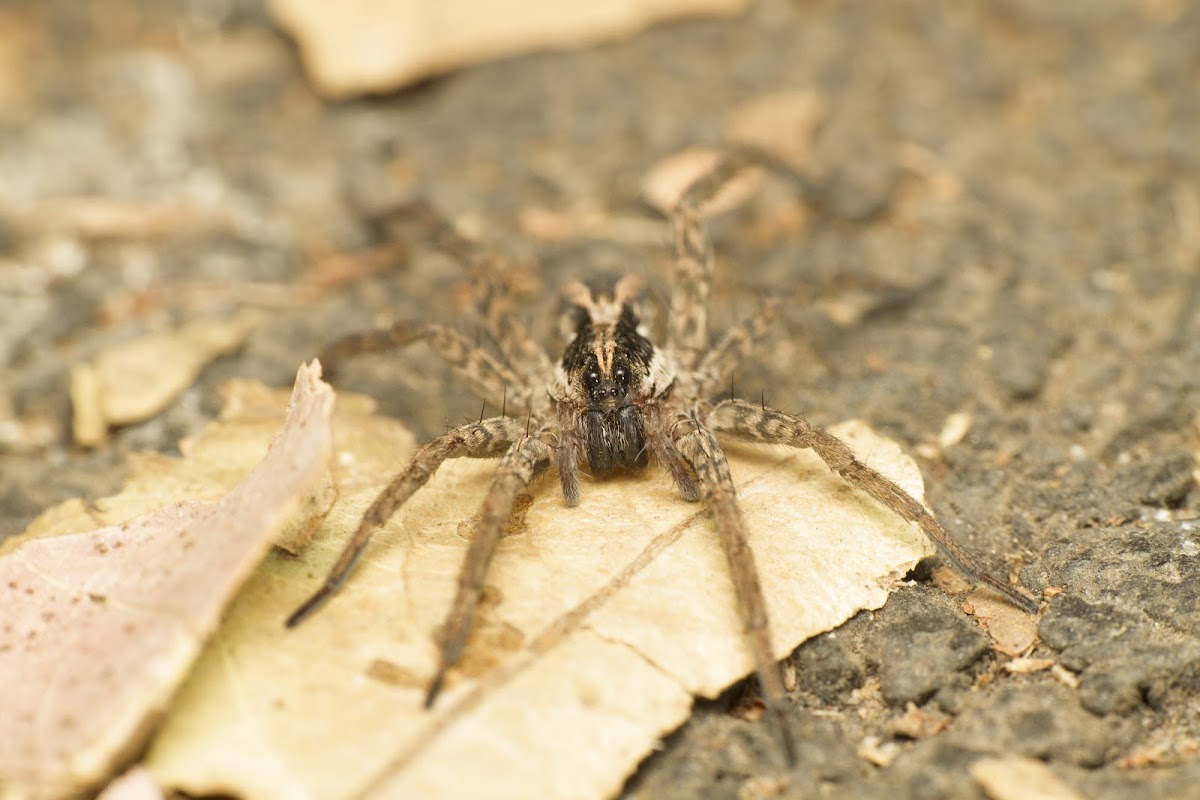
[134, 380]
[136, 784]
[1021, 665]
[598, 626]
[1018, 778]
[781, 123]
[877, 752]
[101, 626]
[355, 46]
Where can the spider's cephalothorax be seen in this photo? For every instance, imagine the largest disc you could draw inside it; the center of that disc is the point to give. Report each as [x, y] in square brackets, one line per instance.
[609, 374]
[613, 401]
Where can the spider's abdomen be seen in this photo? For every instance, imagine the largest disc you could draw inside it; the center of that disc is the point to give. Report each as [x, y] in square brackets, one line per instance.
[613, 439]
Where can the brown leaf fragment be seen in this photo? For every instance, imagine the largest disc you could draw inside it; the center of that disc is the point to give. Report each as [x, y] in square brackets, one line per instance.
[780, 123]
[667, 180]
[917, 723]
[111, 218]
[356, 46]
[1173, 747]
[134, 380]
[101, 626]
[875, 751]
[548, 224]
[599, 624]
[1019, 778]
[763, 787]
[1013, 632]
[310, 513]
[1144, 756]
[950, 581]
[329, 272]
[954, 429]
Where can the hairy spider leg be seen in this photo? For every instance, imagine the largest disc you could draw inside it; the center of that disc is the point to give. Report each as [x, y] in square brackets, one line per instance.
[700, 448]
[746, 421]
[487, 376]
[720, 362]
[488, 293]
[527, 458]
[687, 322]
[488, 439]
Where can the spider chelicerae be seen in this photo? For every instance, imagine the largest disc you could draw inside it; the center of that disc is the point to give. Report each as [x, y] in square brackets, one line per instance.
[613, 402]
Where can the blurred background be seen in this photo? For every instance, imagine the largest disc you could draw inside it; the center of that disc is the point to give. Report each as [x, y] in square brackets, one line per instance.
[987, 246]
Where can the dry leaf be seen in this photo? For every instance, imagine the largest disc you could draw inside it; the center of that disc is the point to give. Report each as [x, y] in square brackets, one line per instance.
[111, 218]
[877, 752]
[781, 123]
[667, 180]
[849, 307]
[917, 723]
[213, 464]
[1026, 665]
[100, 627]
[599, 624]
[134, 380]
[1018, 778]
[1065, 676]
[950, 581]
[548, 224]
[1013, 631]
[1144, 756]
[954, 429]
[136, 784]
[763, 787]
[356, 46]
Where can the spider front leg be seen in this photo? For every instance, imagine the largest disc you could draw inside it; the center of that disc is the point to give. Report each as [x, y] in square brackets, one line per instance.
[687, 324]
[521, 464]
[493, 304]
[490, 379]
[487, 439]
[488, 292]
[700, 448]
[753, 423]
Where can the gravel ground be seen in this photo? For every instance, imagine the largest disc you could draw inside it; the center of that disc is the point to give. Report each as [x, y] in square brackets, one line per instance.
[1003, 221]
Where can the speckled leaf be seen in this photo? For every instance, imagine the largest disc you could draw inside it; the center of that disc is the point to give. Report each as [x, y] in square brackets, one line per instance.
[101, 626]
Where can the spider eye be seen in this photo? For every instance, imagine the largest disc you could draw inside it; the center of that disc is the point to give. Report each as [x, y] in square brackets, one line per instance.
[592, 378]
[621, 375]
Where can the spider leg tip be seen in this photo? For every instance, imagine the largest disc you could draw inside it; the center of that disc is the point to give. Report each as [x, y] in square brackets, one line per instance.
[296, 617]
[1029, 604]
[306, 608]
[435, 688]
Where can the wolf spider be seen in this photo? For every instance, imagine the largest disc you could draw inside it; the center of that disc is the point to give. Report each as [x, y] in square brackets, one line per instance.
[613, 400]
